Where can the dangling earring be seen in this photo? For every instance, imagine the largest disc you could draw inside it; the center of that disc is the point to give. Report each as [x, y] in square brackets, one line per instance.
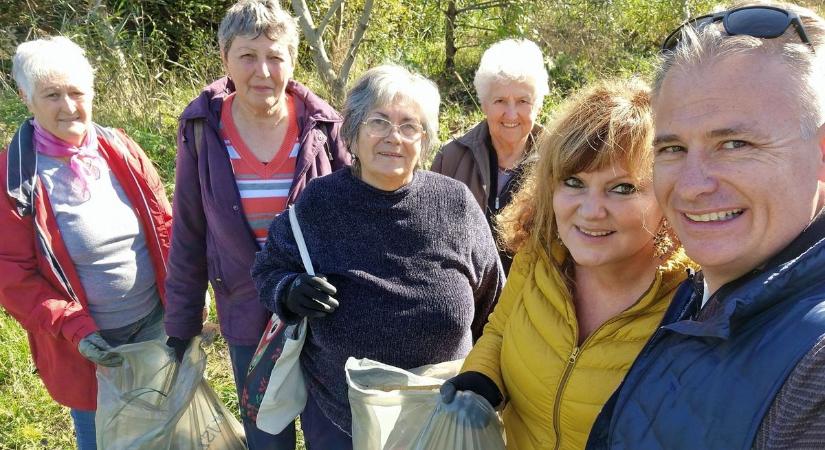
[663, 243]
[558, 238]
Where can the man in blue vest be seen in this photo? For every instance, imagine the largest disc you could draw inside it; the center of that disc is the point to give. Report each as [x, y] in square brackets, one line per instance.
[739, 363]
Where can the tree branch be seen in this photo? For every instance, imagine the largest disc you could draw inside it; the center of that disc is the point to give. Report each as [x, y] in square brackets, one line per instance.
[483, 5]
[474, 27]
[315, 41]
[328, 17]
[356, 41]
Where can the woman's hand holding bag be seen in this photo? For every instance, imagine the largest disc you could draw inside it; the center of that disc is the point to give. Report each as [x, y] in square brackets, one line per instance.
[311, 296]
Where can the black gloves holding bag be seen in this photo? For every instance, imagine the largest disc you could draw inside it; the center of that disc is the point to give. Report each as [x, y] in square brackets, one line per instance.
[477, 383]
[310, 296]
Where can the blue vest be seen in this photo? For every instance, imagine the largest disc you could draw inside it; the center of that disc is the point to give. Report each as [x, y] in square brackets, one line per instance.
[708, 385]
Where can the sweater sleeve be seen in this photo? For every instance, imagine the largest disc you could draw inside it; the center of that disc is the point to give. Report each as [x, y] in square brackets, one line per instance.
[27, 295]
[485, 357]
[796, 419]
[277, 265]
[187, 275]
[489, 272]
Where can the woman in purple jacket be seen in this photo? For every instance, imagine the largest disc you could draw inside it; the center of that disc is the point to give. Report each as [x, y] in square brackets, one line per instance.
[247, 146]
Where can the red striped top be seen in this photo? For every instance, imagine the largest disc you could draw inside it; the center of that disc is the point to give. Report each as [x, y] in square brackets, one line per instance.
[264, 186]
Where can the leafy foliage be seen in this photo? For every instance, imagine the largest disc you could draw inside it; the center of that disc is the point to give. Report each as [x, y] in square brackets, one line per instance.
[153, 57]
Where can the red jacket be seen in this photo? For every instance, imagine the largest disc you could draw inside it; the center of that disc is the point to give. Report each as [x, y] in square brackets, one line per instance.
[39, 286]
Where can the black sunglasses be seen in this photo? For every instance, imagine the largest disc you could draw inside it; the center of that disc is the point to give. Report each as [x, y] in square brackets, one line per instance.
[764, 22]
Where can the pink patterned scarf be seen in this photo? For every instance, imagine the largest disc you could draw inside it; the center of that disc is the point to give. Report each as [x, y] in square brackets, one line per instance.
[84, 160]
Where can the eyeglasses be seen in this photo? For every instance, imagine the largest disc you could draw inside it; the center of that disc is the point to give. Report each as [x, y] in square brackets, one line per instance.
[764, 22]
[381, 128]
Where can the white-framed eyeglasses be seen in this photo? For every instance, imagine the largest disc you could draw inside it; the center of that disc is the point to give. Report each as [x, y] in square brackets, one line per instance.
[381, 128]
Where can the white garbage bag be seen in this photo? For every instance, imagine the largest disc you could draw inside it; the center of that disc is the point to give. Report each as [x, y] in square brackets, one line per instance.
[394, 409]
[152, 402]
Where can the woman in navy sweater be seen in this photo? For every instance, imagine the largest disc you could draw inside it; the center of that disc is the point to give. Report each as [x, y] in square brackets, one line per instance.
[410, 267]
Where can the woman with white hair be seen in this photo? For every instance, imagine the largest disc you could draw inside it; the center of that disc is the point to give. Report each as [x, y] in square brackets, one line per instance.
[86, 231]
[247, 147]
[410, 270]
[511, 82]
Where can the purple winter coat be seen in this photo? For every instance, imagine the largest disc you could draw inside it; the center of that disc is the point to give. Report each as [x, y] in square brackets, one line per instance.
[211, 239]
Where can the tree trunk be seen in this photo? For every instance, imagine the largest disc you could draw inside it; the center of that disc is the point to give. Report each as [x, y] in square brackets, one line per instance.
[449, 42]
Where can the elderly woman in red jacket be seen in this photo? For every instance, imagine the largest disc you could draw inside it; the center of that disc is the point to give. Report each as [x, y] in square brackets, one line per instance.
[86, 226]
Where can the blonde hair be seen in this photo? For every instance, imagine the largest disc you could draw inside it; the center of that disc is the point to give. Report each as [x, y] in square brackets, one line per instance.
[607, 123]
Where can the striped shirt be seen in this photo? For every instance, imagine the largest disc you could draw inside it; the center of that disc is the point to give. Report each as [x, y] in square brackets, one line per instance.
[264, 186]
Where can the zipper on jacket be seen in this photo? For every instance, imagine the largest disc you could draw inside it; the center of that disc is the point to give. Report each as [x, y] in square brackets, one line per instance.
[568, 369]
[571, 361]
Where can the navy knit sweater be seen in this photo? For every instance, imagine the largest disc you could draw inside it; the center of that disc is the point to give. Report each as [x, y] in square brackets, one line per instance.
[416, 270]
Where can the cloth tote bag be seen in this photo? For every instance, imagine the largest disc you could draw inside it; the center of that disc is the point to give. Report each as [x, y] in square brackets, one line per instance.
[275, 393]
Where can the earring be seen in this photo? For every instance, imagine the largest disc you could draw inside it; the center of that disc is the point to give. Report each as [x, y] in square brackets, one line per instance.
[558, 238]
[355, 164]
[663, 243]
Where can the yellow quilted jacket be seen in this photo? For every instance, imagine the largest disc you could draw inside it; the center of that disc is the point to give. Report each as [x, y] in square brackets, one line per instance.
[554, 388]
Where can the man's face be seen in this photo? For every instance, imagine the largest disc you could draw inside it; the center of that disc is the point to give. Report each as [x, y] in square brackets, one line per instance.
[733, 173]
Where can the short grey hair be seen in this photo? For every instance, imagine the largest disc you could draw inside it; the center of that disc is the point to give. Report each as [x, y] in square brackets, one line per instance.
[253, 18]
[385, 85]
[806, 68]
[512, 60]
[36, 60]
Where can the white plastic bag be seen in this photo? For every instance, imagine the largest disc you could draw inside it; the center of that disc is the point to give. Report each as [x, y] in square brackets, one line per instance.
[395, 409]
[286, 393]
[152, 402]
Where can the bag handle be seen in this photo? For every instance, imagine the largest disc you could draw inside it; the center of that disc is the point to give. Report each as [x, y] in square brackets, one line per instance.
[299, 239]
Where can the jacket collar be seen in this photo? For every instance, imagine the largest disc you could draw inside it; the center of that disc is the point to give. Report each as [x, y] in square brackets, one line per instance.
[798, 265]
[668, 277]
[21, 176]
[22, 168]
[479, 142]
[208, 104]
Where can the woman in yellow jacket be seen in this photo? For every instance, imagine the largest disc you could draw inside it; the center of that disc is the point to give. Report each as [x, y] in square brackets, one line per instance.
[594, 271]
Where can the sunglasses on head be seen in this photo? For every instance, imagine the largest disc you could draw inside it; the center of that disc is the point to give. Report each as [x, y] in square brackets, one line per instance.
[764, 22]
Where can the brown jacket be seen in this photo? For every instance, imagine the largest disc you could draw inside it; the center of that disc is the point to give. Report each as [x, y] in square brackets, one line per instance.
[467, 159]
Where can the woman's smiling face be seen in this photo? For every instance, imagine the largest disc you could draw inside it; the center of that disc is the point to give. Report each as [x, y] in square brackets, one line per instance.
[606, 217]
[388, 163]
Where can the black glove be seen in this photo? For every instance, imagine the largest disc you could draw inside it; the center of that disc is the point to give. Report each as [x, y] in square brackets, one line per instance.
[179, 345]
[471, 381]
[469, 396]
[310, 296]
